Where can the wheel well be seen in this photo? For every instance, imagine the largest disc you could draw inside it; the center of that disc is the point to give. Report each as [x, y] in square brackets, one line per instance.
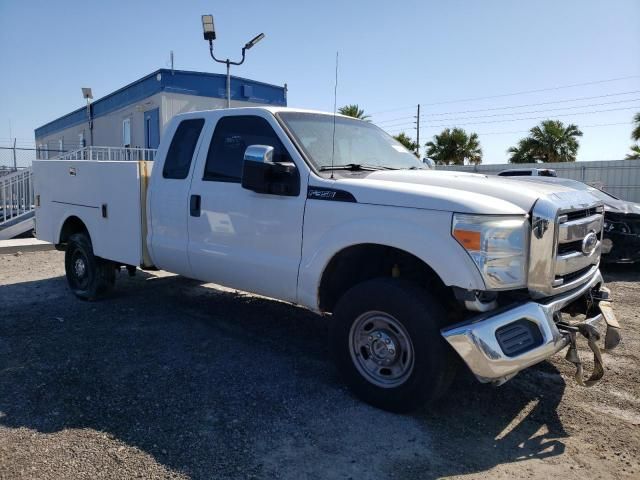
[72, 225]
[358, 263]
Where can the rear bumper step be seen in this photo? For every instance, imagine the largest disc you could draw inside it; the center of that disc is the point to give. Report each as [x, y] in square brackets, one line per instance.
[497, 345]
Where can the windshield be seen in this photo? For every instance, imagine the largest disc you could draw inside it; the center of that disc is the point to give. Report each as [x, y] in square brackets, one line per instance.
[357, 142]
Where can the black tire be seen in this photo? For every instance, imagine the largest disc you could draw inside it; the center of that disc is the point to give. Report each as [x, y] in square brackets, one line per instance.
[420, 316]
[88, 276]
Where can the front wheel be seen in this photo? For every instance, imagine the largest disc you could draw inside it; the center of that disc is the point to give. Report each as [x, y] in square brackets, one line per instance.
[88, 276]
[385, 340]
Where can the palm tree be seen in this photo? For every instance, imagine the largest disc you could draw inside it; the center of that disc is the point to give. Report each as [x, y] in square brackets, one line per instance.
[354, 111]
[635, 134]
[408, 142]
[550, 141]
[454, 146]
[523, 152]
[635, 153]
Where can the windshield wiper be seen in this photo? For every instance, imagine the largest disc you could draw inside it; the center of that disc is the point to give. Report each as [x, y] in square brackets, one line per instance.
[354, 167]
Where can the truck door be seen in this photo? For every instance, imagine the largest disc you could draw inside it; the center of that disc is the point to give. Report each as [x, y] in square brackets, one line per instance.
[237, 237]
[169, 198]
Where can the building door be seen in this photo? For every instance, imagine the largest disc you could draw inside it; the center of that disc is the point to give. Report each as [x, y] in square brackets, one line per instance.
[152, 128]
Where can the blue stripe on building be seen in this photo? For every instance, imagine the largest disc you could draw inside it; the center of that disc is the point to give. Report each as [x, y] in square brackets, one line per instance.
[177, 81]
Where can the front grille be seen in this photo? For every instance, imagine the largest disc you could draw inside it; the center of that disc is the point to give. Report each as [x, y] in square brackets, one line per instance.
[560, 258]
[569, 247]
[577, 214]
[570, 277]
[572, 260]
[518, 337]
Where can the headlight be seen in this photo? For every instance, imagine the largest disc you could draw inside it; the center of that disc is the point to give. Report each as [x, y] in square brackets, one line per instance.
[497, 245]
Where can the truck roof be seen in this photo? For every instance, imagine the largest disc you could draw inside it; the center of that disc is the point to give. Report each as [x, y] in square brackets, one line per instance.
[271, 109]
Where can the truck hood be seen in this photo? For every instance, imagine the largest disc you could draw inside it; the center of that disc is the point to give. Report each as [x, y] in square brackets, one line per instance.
[449, 191]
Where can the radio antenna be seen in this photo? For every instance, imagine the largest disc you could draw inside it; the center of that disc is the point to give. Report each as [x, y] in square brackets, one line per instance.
[335, 97]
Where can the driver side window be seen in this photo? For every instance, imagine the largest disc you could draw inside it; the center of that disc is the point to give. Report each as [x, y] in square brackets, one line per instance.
[231, 138]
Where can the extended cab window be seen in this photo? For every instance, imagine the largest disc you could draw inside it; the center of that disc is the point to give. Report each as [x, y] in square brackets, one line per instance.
[180, 153]
[231, 138]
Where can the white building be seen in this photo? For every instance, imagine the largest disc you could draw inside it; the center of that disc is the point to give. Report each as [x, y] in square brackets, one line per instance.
[136, 115]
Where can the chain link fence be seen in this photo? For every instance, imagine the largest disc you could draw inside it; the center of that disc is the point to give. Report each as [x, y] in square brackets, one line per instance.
[12, 158]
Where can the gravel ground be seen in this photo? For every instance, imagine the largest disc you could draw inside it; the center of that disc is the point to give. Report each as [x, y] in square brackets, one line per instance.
[170, 378]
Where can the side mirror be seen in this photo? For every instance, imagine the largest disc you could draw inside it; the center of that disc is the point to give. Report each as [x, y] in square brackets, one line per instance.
[261, 174]
[429, 163]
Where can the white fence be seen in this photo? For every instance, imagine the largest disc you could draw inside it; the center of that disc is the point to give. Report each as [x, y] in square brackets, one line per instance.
[16, 196]
[621, 178]
[110, 154]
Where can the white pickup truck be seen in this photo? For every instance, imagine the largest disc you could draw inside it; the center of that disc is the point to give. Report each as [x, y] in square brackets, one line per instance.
[412, 267]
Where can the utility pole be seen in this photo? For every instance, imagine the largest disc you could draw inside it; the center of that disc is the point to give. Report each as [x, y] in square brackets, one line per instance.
[418, 131]
[15, 163]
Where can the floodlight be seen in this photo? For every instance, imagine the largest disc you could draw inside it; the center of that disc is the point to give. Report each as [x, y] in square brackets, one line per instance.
[253, 41]
[86, 93]
[208, 29]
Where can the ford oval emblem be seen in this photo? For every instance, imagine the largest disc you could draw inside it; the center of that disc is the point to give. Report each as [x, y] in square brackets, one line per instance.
[589, 243]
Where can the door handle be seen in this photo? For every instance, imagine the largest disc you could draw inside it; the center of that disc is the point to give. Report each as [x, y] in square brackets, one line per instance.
[194, 205]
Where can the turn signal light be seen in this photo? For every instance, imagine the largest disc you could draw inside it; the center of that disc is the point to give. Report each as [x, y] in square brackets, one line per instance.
[468, 239]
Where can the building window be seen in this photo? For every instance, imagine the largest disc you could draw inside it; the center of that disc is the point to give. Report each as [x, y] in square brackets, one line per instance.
[81, 140]
[42, 153]
[126, 132]
[61, 146]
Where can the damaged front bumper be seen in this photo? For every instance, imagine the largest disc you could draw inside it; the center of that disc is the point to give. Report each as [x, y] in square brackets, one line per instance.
[498, 344]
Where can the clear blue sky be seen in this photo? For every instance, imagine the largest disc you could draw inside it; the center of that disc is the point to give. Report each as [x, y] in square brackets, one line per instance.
[392, 55]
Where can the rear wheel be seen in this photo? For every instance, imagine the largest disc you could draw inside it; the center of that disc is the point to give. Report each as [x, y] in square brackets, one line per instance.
[386, 343]
[88, 276]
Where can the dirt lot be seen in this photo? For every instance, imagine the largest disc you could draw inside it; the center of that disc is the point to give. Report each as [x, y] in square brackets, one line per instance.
[173, 379]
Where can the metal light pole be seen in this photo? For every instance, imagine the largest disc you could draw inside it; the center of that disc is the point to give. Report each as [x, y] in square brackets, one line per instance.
[209, 32]
[86, 93]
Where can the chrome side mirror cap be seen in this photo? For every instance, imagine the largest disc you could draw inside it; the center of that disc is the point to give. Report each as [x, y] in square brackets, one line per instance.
[259, 154]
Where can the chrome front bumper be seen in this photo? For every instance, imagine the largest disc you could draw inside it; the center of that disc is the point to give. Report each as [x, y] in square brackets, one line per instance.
[477, 343]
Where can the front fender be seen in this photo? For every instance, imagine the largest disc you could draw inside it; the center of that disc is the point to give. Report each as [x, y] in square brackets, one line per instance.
[425, 234]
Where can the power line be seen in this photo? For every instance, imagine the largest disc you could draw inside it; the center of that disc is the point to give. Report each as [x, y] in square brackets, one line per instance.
[523, 92]
[581, 126]
[596, 125]
[534, 111]
[513, 106]
[518, 119]
[532, 118]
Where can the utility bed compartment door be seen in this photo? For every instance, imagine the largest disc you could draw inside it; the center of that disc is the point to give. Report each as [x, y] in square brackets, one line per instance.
[106, 196]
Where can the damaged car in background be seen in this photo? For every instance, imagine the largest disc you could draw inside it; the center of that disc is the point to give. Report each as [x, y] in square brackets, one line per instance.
[621, 242]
